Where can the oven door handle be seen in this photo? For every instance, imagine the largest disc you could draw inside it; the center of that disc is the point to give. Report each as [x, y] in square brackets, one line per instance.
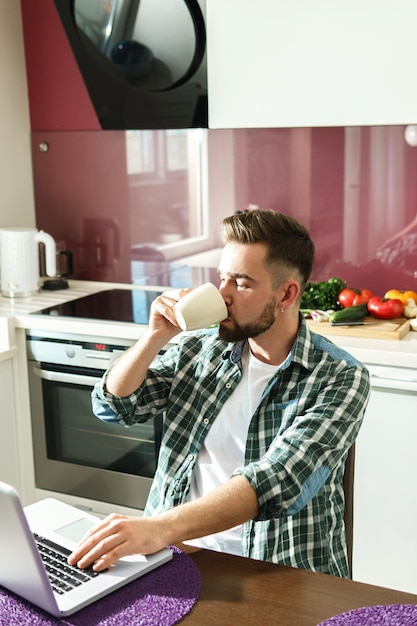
[63, 377]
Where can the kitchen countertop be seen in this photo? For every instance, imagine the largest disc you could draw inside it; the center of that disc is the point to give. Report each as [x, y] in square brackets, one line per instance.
[17, 313]
[21, 312]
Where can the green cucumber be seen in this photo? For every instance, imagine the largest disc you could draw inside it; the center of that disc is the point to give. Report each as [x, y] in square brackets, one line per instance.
[350, 314]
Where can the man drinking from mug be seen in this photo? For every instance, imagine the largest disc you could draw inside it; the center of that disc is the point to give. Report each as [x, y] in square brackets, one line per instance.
[259, 415]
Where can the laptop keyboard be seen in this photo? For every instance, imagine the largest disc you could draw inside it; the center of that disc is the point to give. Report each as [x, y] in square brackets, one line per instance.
[63, 577]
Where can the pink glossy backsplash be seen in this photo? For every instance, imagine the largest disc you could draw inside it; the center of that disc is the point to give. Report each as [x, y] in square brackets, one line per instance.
[354, 188]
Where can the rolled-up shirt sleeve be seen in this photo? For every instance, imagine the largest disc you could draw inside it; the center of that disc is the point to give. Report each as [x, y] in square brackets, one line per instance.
[112, 409]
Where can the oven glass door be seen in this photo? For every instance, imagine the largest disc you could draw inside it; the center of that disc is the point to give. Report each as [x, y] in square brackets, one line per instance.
[75, 435]
[77, 453]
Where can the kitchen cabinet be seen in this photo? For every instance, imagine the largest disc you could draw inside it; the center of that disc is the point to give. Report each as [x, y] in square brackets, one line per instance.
[9, 467]
[275, 63]
[385, 503]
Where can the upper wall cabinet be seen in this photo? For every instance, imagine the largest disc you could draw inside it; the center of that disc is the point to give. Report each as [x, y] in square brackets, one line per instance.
[115, 65]
[275, 63]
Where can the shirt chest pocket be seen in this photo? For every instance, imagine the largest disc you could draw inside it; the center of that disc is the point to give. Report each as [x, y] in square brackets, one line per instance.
[271, 423]
[284, 415]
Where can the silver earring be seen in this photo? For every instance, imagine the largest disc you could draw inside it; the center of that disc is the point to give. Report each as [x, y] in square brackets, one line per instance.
[282, 309]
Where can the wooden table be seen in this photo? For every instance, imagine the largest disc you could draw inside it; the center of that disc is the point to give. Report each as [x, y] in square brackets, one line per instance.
[245, 592]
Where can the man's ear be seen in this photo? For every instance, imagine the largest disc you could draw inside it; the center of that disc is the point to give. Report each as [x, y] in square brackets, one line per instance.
[288, 293]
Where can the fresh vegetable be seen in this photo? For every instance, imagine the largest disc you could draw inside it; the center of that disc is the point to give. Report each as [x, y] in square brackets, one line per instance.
[323, 295]
[315, 315]
[410, 309]
[346, 297]
[385, 309]
[366, 294]
[350, 314]
[401, 295]
[351, 297]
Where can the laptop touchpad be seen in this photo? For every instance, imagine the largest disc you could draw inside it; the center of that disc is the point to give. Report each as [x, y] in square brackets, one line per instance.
[76, 530]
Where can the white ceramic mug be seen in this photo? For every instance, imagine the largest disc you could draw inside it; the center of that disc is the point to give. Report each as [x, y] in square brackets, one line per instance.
[200, 308]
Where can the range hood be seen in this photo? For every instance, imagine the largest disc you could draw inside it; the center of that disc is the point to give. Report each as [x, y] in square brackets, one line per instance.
[143, 61]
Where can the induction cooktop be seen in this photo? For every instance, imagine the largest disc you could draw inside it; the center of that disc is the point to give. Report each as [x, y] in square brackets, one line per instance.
[118, 305]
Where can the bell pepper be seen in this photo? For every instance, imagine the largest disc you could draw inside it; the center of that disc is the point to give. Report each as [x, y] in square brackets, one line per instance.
[398, 294]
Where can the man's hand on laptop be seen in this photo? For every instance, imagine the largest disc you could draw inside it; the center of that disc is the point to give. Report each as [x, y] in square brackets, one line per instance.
[227, 506]
[115, 537]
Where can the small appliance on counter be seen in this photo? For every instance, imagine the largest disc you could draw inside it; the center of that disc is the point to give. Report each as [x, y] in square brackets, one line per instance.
[64, 267]
[19, 266]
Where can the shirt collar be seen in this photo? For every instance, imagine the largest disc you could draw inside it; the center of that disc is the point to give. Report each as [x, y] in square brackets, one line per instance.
[234, 352]
[303, 346]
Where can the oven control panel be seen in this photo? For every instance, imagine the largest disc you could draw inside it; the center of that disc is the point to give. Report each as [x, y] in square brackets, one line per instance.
[74, 350]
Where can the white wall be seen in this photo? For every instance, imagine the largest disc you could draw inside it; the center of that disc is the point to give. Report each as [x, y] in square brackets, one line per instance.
[16, 186]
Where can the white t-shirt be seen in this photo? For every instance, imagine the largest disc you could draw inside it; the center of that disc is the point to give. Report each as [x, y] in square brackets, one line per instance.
[223, 450]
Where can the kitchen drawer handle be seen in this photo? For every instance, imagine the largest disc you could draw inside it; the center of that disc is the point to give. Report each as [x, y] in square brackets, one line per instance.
[62, 377]
[388, 384]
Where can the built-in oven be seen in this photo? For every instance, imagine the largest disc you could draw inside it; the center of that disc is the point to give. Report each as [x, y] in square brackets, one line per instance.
[75, 453]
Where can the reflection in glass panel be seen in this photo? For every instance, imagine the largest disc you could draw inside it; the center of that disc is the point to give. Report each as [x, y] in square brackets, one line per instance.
[127, 204]
[140, 154]
[93, 17]
[139, 36]
[177, 150]
[143, 61]
[165, 168]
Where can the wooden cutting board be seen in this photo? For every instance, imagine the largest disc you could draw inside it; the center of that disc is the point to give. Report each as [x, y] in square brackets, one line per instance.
[381, 329]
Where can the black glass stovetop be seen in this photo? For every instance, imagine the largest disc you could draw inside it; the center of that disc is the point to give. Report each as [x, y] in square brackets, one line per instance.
[119, 305]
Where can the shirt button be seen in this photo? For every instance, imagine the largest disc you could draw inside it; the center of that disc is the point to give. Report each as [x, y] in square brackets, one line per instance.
[206, 422]
[171, 492]
[228, 385]
[190, 457]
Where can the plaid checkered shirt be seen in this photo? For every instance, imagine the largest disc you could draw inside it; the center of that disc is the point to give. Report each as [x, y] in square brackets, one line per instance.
[298, 439]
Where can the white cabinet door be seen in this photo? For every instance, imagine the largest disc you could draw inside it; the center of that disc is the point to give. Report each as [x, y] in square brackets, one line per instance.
[281, 63]
[9, 466]
[385, 504]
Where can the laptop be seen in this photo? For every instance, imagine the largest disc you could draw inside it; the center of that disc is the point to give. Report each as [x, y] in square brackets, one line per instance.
[60, 527]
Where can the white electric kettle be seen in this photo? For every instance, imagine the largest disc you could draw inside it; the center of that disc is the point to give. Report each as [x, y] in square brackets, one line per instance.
[19, 265]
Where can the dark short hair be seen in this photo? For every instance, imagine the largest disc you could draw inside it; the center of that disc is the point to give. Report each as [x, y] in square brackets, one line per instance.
[289, 243]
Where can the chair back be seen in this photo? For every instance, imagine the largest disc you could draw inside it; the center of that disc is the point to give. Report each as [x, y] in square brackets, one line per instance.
[348, 483]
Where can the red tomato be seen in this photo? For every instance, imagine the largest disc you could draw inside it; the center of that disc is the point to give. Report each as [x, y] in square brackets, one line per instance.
[352, 297]
[367, 293]
[385, 309]
[360, 299]
[346, 297]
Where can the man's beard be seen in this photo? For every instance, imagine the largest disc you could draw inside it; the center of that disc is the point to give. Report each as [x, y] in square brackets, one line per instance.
[252, 329]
